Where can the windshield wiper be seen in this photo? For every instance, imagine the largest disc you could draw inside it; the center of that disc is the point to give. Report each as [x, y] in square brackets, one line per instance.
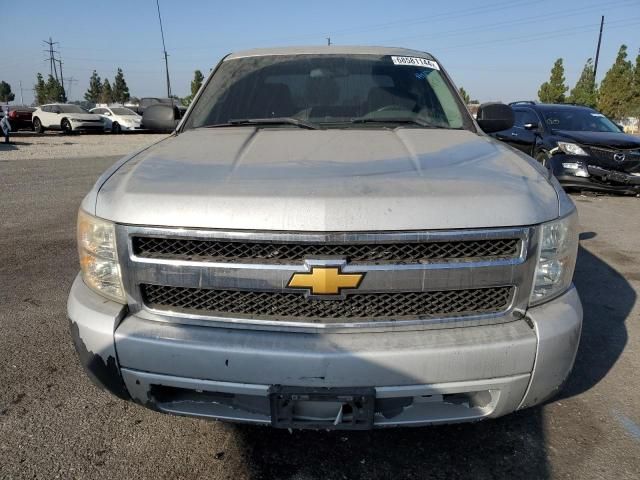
[407, 120]
[268, 121]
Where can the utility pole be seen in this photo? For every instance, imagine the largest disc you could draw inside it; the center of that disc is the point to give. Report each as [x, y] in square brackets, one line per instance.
[70, 82]
[61, 76]
[595, 66]
[52, 59]
[166, 61]
[21, 98]
[328, 41]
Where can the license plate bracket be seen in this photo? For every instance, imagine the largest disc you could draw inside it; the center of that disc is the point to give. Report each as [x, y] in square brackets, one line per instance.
[356, 411]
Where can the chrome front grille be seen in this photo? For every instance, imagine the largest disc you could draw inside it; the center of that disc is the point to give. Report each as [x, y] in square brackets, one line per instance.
[239, 279]
[279, 306]
[270, 252]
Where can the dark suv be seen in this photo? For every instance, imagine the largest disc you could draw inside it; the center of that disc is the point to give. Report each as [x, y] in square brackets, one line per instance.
[582, 147]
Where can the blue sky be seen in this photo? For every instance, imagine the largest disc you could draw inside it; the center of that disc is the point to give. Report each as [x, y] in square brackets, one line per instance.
[497, 49]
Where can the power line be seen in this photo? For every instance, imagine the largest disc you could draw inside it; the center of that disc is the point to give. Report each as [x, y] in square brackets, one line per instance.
[564, 32]
[516, 21]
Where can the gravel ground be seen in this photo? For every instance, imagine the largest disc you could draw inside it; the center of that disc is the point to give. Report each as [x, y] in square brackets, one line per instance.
[55, 424]
[25, 145]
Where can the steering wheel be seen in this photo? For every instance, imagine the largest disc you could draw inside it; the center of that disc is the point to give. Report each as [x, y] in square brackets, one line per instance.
[390, 107]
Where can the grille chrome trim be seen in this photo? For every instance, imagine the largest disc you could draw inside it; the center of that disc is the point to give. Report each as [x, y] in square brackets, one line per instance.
[224, 251]
[384, 277]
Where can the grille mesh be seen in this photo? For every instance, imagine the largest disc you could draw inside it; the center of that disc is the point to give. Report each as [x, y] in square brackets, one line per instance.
[269, 252]
[607, 154]
[296, 307]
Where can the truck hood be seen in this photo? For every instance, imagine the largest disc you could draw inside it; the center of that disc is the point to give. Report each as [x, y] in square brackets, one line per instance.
[328, 180]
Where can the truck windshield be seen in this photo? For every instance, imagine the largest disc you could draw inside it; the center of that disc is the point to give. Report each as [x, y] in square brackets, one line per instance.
[331, 91]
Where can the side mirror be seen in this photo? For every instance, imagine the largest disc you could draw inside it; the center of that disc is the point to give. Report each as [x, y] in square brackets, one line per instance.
[160, 117]
[108, 114]
[620, 127]
[495, 117]
[57, 111]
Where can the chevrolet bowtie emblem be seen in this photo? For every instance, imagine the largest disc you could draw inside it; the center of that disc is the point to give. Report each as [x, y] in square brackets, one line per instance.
[325, 280]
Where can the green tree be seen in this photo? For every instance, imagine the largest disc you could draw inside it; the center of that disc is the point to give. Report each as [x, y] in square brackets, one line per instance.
[107, 94]
[40, 89]
[636, 87]
[615, 97]
[120, 88]
[95, 88]
[196, 83]
[465, 96]
[553, 91]
[585, 92]
[5, 92]
[54, 91]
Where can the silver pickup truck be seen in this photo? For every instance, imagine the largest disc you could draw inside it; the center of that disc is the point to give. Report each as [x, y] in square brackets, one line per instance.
[328, 240]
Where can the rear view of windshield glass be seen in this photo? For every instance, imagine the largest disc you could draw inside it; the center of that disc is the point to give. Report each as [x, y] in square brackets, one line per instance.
[71, 109]
[578, 120]
[333, 90]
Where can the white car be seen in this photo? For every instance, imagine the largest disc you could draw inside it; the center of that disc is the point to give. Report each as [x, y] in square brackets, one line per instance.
[66, 117]
[118, 119]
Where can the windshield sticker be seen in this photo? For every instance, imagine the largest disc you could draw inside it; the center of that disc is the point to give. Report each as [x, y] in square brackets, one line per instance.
[415, 62]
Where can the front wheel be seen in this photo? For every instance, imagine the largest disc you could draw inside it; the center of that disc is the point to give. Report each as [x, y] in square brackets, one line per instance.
[66, 126]
[116, 128]
[37, 125]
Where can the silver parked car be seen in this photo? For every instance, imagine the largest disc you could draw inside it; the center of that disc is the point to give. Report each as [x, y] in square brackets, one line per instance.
[328, 240]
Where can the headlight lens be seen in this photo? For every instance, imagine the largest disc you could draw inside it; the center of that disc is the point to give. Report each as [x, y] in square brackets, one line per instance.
[98, 257]
[571, 148]
[558, 248]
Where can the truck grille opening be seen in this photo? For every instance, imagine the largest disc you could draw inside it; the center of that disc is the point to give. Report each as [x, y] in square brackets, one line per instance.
[273, 252]
[295, 307]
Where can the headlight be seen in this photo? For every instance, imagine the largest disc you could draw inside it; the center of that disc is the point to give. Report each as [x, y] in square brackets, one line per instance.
[571, 148]
[557, 251]
[98, 256]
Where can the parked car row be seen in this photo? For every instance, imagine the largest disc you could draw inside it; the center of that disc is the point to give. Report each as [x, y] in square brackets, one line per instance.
[582, 147]
[70, 118]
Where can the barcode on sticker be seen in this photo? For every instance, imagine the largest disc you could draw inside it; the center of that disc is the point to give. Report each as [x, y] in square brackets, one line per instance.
[415, 62]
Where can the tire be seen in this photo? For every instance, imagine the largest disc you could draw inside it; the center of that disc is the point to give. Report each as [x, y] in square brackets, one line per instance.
[116, 128]
[65, 125]
[37, 125]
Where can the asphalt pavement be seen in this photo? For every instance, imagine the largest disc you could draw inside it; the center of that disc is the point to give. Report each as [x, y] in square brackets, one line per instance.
[54, 423]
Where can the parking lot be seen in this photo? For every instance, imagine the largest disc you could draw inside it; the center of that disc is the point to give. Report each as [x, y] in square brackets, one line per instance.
[55, 424]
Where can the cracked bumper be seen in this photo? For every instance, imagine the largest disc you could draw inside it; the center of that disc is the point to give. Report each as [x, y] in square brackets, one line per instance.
[419, 377]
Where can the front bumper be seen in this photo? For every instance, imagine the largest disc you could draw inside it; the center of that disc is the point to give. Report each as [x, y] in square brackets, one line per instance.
[419, 377]
[88, 126]
[589, 176]
[130, 128]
